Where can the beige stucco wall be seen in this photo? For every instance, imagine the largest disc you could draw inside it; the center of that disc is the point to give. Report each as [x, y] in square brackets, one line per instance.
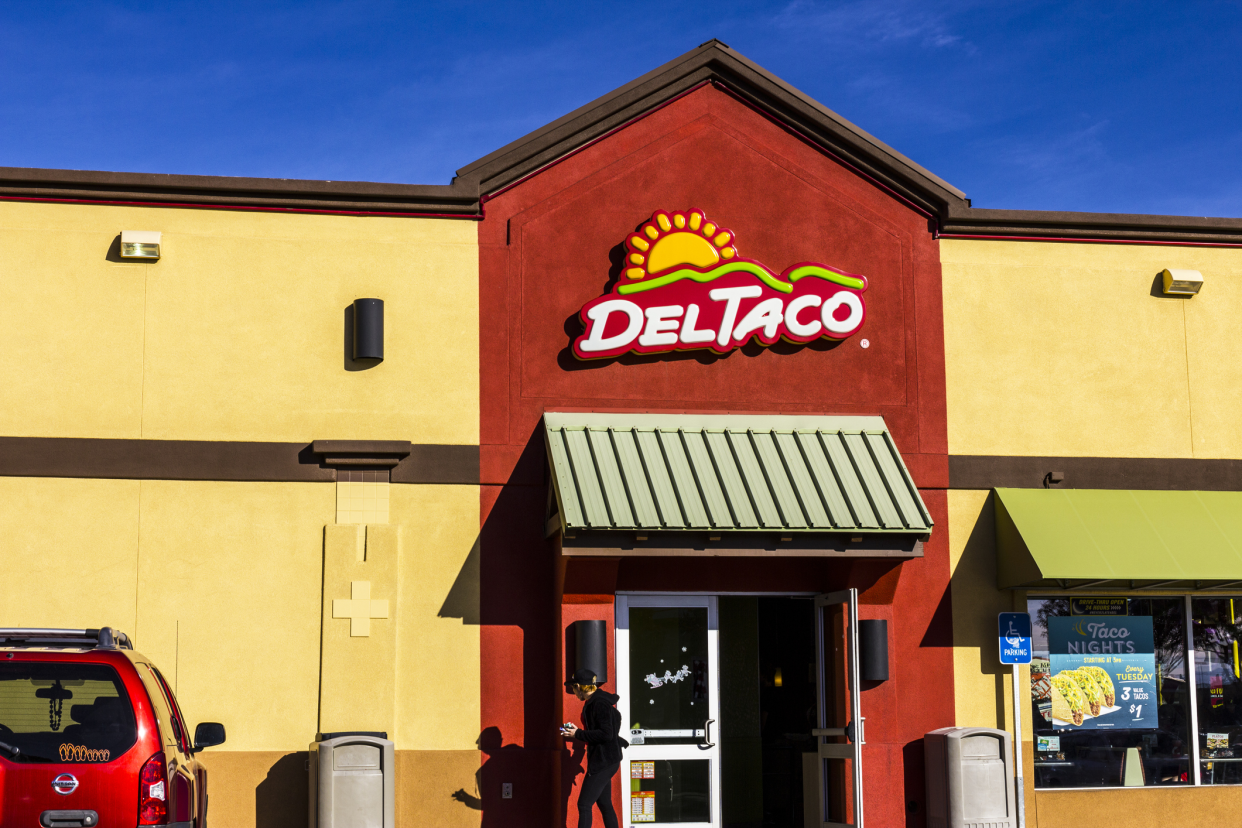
[1061, 350]
[237, 332]
[220, 585]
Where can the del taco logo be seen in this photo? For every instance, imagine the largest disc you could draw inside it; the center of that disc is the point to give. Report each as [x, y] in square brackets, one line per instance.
[685, 287]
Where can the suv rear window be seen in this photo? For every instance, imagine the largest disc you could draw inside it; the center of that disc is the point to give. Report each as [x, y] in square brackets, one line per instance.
[64, 713]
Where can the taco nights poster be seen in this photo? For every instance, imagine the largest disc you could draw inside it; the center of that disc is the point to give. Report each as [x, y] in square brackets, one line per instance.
[1102, 672]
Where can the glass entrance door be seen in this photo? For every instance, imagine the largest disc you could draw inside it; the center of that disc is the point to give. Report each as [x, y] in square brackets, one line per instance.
[840, 735]
[668, 678]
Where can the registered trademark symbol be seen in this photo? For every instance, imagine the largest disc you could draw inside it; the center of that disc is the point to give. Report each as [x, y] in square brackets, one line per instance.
[866, 343]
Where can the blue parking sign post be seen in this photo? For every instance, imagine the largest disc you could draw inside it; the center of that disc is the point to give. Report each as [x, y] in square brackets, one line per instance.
[1015, 637]
[1014, 632]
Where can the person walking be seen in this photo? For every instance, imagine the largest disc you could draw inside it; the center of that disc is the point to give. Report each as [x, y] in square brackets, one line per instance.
[601, 731]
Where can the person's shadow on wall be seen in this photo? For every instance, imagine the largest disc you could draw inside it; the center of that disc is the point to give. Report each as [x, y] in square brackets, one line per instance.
[507, 763]
[572, 766]
[503, 764]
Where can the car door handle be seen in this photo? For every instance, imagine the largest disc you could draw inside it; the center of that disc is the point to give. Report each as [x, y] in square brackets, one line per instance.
[707, 744]
[68, 819]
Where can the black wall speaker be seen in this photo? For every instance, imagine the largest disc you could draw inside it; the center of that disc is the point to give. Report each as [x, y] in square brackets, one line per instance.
[591, 648]
[369, 329]
[873, 650]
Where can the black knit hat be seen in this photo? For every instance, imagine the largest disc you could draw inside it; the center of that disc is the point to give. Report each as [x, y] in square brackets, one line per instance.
[583, 677]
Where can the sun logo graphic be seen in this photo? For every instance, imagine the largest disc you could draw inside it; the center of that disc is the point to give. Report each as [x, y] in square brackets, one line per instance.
[685, 286]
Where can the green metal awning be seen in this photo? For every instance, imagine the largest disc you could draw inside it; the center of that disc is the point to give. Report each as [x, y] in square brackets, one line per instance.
[688, 473]
[1097, 539]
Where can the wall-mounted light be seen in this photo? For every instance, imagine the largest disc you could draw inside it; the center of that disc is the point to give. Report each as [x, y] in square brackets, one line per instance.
[1182, 282]
[873, 650]
[369, 329]
[591, 648]
[140, 244]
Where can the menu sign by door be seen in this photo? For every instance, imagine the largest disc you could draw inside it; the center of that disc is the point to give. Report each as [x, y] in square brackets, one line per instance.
[1102, 672]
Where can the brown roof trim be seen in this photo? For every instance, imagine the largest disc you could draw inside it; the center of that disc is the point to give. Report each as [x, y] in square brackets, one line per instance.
[225, 192]
[717, 63]
[110, 459]
[713, 62]
[971, 222]
[1153, 473]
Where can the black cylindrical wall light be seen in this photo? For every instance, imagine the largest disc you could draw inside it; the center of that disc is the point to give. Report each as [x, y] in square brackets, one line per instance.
[591, 648]
[873, 650]
[369, 329]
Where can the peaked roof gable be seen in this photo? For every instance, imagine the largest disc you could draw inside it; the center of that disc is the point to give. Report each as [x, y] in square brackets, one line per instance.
[714, 63]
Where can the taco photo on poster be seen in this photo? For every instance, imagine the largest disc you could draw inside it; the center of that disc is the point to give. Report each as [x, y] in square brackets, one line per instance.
[1069, 705]
[1104, 681]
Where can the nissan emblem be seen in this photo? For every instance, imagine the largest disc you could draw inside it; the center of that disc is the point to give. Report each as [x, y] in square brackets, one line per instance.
[66, 783]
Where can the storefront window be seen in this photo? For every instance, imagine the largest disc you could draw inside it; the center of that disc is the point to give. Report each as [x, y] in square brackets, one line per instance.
[1109, 700]
[1218, 689]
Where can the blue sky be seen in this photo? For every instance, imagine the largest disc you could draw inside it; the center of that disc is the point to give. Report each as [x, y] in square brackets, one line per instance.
[1113, 107]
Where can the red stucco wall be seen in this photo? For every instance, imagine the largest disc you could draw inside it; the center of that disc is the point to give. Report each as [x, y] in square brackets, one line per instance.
[552, 243]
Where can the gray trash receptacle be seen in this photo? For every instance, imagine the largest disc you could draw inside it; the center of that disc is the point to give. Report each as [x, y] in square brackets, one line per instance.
[969, 778]
[351, 780]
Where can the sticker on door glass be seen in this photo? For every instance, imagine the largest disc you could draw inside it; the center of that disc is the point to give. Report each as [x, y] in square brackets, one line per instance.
[668, 677]
[642, 805]
[642, 770]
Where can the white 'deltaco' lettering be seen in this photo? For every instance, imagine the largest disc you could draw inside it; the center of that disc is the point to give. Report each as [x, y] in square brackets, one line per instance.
[849, 323]
[689, 334]
[662, 326]
[599, 321]
[766, 315]
[792, 310]
[733, 296]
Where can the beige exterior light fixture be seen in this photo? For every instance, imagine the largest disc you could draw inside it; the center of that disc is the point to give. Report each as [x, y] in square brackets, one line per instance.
[1182, 282]
[140, 244]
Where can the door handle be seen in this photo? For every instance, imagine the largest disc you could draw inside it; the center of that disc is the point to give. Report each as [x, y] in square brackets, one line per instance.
[707, 736]
[849, 731]
[828, 731]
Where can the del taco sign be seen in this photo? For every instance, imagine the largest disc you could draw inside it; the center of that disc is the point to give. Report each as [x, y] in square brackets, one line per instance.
[685, 287]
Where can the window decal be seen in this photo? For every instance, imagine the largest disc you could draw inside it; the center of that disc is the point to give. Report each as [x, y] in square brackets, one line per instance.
[81, 753]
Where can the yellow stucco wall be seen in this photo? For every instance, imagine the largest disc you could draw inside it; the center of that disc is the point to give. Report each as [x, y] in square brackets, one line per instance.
[983, 692]
[438, 707]
[220, 585]
[982, 687]
[237, 333]
[69, 552]
[1061, 350]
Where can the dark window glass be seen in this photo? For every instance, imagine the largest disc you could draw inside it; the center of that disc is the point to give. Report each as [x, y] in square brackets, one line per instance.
[64, 713]
[668, 674]
[1078, 757]
[1218, 688]
[670, 790]
[178, 721]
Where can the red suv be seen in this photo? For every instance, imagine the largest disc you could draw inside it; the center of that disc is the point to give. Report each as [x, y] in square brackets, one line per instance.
[91, 736]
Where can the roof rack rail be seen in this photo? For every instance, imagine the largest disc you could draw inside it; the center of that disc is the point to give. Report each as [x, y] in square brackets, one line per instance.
[104, 638]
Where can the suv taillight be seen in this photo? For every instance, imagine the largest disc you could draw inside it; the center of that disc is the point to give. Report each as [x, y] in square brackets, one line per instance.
[153, 791]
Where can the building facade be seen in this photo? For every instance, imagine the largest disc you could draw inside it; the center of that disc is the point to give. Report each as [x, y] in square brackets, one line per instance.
[701, 363]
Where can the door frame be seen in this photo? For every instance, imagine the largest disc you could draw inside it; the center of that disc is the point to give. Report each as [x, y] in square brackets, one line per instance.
[641, 753]
[854, 732]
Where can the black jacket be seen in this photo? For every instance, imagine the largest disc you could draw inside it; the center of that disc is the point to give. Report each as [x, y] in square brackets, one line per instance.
[601, 729]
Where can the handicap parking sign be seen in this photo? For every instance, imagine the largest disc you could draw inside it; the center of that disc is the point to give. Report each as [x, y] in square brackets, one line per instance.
[1015, 637]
